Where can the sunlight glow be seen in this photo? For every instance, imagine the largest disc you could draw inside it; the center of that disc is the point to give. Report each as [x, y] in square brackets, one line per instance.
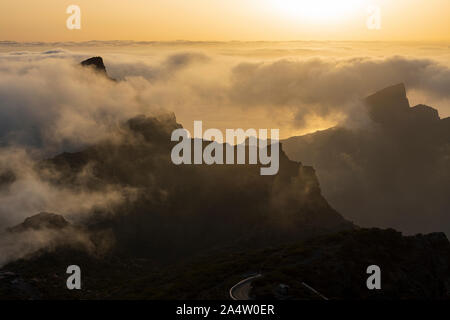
[318, 10]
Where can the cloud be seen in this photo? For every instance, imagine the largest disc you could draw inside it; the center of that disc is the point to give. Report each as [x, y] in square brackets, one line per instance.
[295, 94]
[325, 87]
[165, 69]
[49, 104]
[21, 245]
[53, 104]
[30, 190]
[40, 92]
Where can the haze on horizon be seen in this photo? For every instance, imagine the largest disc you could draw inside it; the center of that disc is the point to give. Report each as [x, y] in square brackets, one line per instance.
[204, 20]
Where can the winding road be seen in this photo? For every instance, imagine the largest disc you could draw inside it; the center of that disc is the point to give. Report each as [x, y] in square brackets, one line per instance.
[241, 290]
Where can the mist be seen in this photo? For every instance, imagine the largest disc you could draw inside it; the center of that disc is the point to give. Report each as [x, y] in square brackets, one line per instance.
[49, 105]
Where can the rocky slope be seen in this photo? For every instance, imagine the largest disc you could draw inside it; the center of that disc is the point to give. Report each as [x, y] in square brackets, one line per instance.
[170, 214]
[415, 267]
[393, 172]
[183, 209]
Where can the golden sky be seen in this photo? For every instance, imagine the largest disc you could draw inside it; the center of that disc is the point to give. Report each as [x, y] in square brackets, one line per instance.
[245, 20]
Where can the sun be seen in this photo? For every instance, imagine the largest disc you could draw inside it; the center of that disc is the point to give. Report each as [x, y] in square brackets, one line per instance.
[318, 10]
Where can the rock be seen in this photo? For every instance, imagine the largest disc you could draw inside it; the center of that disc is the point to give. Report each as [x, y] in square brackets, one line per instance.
[402, 157]
[97, 64]
[388, 105]
[156, 129]
[43, 220]
[423, 113]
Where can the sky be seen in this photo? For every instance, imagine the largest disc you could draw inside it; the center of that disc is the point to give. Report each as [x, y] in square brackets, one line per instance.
[242, 20]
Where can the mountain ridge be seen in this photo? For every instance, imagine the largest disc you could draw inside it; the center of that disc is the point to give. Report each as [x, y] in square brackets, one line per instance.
[190, 232]
[391, 172]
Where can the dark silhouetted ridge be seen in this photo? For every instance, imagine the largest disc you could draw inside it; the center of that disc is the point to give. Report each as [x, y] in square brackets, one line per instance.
[97, 62]
[390, 173]
[388, 105]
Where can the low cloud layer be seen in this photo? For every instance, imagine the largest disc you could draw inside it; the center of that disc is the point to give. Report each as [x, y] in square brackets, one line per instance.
[330, 86]
[49, 101]
[49, 104]
[295, 94]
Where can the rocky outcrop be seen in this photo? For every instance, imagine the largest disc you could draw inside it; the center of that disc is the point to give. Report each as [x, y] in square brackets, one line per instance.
[43, 220]
[390, 107]
[423, 113]
[394, 172]
[96, 63]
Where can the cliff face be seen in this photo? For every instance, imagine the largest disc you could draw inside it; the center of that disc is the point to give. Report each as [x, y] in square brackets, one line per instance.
[192, 207]
[395, 172]
[390, 107]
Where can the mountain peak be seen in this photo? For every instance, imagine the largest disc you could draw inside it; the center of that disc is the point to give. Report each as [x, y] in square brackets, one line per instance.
[394, 90]
[388, 105]
[97, 64]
